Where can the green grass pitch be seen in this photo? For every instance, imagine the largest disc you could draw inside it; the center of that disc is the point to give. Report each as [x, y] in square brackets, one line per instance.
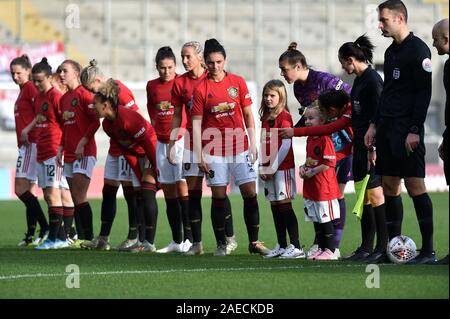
[26, 273]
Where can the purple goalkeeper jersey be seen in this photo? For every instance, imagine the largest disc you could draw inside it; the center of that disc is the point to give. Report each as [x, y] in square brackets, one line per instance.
[316, 83]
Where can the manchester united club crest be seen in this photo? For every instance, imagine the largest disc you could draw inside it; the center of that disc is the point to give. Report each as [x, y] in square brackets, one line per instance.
[45, 106]
[232, 92]
[317, 150]
[74, 102]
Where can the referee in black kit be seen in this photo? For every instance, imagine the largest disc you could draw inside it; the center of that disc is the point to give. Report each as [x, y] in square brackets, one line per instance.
[398, 128]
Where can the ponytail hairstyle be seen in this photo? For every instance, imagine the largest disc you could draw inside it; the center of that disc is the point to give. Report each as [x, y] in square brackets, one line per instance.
[361, 50]
[333, 98]
[23, 61]
[277, 86]
[213, 46]
[109, 91]
[42, 67]
[293, 56]
[165, 53]
[90, 73]
[198, 50]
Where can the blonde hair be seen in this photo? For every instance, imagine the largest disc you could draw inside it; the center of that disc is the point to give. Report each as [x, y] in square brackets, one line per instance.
[316, 108]
[89, 73]
[277, 86]
[109, 91]
[198, 49]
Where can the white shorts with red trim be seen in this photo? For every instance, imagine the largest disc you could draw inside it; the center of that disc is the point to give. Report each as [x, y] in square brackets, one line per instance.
[50, 174]
[117, 169]
[26, 162]
[169, 173]
[281, 186]
[84, 166]
[321, 211]
[221, 168]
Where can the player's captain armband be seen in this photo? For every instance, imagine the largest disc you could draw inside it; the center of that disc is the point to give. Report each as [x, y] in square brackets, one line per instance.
[426, 65]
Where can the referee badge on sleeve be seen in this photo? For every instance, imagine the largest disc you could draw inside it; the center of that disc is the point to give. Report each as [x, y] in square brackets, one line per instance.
[426, 65]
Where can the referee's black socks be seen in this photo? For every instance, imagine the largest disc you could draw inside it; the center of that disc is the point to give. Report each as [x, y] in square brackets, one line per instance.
[424, 212]
[367, 228]
[382, 232]
[394, 215]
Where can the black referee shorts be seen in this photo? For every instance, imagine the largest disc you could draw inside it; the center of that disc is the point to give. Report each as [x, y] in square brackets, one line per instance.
[392, 157]
[360, 169]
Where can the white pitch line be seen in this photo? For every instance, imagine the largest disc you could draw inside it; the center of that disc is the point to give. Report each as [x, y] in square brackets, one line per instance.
[130, 272]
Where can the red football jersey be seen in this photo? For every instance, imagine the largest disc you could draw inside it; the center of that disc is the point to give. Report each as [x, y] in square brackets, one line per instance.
[80, 120]
[322, 186]
[341, 129]
[270, 136]
[126, 98]
[221, 104]
[134, 135]
[48, 125]
[182, 91]
[24, 111]
[160, 108]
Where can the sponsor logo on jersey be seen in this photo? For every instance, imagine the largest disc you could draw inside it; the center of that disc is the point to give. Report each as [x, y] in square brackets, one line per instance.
[396, 73]
[426, 65]
[41, 118]
[222, 107]
[164, 106]
[232, 92]
[339, 85]
[45, 106]
[68, 115]
[317, 150]
[74, 102]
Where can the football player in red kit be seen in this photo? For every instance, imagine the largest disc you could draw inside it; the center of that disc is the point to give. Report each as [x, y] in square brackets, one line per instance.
[78, 144]
[117, 171]
[183, 88]
[137, 141]
[221, 106]
[25, 180]
[48, 128]
[161, 110]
